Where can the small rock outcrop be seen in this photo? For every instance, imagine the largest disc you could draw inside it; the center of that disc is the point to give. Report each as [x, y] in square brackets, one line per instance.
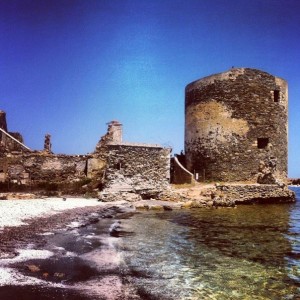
[267, 171]
[231, 194]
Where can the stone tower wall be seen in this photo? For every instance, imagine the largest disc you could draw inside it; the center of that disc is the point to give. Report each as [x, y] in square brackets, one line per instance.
[234, 120]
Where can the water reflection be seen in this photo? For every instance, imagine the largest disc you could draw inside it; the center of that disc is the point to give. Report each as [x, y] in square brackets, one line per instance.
[292, 259]
[251, 252]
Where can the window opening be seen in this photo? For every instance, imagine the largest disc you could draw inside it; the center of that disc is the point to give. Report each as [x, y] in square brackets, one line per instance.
[262, 143]
[276, 96]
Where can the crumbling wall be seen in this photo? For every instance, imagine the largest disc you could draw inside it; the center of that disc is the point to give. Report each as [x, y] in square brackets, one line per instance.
[3, 123]
[234, 120]
[114, 135]
[11, 145]
[6, 143]
[144, 170]
[32, 168]
[46, 171]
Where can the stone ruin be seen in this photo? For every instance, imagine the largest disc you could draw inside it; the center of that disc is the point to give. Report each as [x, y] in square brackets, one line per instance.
[114, 135]
[235, 129]
[234, 120]
[47, 143]
[9, 140]
[116, 168]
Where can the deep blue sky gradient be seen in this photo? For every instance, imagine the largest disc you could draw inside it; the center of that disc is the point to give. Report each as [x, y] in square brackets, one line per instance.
[69, 66]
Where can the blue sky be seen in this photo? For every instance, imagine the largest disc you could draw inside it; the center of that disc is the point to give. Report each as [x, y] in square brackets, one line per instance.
[67, 67]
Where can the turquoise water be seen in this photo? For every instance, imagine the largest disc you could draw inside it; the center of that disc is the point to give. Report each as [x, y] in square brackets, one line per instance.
[249, 252]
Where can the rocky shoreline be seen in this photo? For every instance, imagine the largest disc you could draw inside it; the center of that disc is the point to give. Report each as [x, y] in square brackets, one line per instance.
[13, 237]
[61, 217]
[194, 196]
[205, 196]
[30, 261]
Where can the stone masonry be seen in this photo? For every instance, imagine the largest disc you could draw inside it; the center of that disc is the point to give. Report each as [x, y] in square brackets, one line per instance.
[7, 144]
[234, 122]
[254, 193]
[34, 168]
[119, 167]
[143, 170]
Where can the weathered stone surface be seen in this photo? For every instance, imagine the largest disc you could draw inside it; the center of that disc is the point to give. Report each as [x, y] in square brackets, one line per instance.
[137, 169]
[117, 196]
[129, 171]
[233, 121]
[94, 166]
[227, 195]
[230, 194]
[114, 135]
[47, 143]
[267, 171]
[3, 123]
[31, 169]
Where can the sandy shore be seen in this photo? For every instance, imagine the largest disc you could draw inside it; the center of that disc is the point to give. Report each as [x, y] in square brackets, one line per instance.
[18, 212]
[22, 221]
[25, 226]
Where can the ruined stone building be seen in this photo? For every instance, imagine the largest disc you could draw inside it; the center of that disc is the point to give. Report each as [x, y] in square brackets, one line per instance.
[235, 123]
[113, 167]
[235, 130]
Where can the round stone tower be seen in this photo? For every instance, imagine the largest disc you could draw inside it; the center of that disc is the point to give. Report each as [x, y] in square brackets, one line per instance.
[233, 121]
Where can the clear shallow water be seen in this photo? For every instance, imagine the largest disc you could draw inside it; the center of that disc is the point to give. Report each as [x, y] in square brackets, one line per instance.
[248, 252]
[251, 252]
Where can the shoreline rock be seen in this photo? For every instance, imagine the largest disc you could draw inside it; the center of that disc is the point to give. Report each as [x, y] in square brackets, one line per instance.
[196, 196]
[253, 193]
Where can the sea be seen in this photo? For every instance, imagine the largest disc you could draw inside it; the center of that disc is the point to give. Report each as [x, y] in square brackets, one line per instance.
[248, 252]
